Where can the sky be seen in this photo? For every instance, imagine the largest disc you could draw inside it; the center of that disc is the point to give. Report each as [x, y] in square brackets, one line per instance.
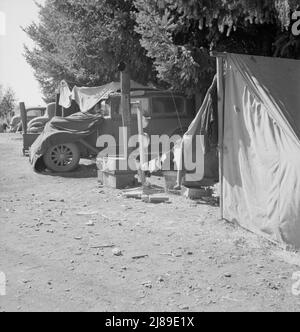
[15, 72]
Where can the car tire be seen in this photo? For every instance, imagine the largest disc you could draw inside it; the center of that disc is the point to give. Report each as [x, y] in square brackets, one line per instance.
[62, 158]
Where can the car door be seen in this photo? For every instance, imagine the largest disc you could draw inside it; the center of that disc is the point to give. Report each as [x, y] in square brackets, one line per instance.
[168, 114]
[113, 122]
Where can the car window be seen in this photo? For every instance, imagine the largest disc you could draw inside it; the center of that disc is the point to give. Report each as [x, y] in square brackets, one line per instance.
[143, 103]
[168, 105]
[34, 113]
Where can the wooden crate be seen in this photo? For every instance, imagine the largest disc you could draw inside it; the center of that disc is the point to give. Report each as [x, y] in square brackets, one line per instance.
[119, 180]
[110, 175]
[194, 193]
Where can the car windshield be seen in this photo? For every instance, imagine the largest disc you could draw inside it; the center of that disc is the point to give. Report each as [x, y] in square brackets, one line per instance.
[34, 113]
[168, 105]
[142, 103]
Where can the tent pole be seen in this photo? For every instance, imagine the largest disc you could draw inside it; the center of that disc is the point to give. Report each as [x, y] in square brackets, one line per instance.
[221, 99]
[58, 111]
[142, 148]
[125, 101]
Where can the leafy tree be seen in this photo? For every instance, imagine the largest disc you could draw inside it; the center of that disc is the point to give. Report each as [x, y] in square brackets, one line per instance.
[7, 103]
[83, 42]
[162, 40]
[179, 34]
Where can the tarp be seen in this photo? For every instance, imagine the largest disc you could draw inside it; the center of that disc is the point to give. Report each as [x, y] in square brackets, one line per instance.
[199, 146]
[87, 98]
[67, 130]
[262, 146]
[64, 95]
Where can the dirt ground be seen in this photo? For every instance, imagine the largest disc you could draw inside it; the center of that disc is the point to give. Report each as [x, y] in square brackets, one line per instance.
[59, 237]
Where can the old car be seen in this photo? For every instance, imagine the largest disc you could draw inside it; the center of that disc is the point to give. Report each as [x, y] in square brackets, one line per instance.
[37, 125]
[15, 123]
[32, 127]
[65, 140]
[31, 113]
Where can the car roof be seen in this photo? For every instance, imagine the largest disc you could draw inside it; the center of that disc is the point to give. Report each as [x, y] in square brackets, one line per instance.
[38, 108]
[150, 93]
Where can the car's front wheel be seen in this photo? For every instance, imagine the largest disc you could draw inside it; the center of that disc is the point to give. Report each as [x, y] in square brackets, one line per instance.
[62, 158]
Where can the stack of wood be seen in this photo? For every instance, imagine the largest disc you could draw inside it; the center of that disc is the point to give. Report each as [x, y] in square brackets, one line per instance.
[147, 194]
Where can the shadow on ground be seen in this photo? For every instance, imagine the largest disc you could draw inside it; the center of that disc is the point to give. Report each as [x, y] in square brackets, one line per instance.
[82, 172]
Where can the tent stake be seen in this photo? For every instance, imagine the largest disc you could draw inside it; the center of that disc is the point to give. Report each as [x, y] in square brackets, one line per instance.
[221, 99]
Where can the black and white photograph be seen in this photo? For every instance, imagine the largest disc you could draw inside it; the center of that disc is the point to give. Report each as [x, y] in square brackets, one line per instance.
[150, 158]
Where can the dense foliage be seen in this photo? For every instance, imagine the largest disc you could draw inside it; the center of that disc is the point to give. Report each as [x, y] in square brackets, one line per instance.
[169, 40]
[179, 34]
[84, 41]
[7, 104]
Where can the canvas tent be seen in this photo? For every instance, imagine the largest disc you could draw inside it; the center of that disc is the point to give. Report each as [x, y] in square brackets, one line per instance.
[259, 139]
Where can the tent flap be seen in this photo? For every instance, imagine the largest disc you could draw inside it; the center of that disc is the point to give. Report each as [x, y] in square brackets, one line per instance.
[197, 156]
[261, 148]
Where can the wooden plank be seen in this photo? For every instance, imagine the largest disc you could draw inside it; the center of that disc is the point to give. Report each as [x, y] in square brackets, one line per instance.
[105, 246]
[155, 199]
[125, 101]
[133, 194]
[140, 257]
[221, 104]
[218, 54]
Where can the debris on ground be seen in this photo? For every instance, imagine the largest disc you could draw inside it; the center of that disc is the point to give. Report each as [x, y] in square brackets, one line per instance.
[140, 257]
[92, 277]
[105, 246]
[87, 213]
[148, 194]
[117, 252]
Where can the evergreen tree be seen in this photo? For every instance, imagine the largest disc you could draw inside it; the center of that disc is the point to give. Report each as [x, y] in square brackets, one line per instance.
[179, 34]
[83, 42]
[7, 103]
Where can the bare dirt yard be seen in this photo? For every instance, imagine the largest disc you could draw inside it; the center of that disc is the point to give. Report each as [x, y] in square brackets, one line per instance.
[68, 245]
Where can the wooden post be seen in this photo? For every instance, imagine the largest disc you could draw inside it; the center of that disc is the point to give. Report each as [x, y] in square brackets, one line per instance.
[221, 104]
[141, 144]
[125, 100]
[23, 113]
